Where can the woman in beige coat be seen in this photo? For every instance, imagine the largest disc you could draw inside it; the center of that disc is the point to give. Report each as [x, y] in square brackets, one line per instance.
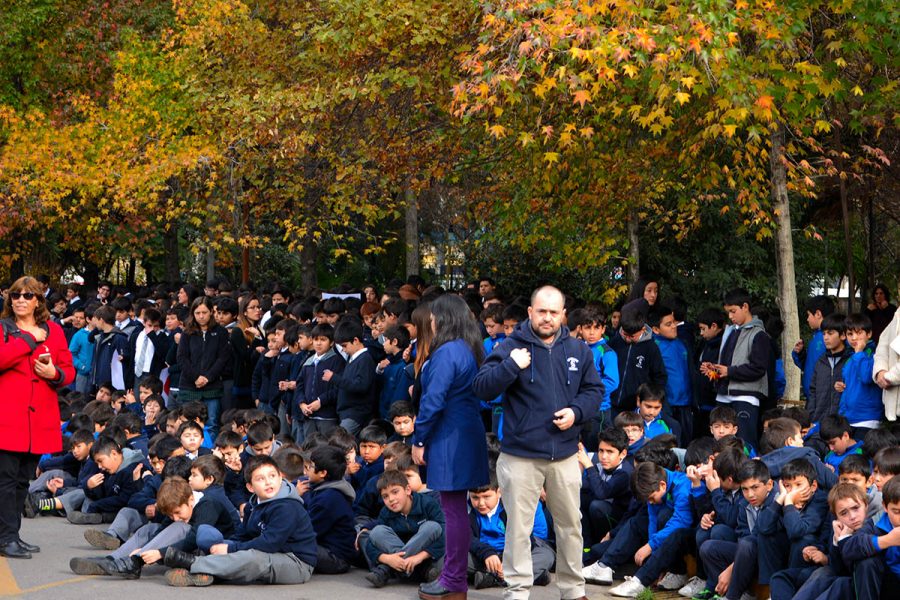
[886, 372]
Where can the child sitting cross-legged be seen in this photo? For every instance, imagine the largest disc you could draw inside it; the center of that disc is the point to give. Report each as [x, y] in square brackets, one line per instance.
[330, 504]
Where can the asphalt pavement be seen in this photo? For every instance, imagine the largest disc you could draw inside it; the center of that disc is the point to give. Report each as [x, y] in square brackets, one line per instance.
[47, 576]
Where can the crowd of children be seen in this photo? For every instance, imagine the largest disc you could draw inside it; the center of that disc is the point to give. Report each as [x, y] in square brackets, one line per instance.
[235, 438]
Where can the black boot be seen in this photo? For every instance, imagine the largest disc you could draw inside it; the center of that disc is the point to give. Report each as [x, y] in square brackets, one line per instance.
[100, 565]
[128, 568]
[28, 547]
[178, 559]
[14, 550]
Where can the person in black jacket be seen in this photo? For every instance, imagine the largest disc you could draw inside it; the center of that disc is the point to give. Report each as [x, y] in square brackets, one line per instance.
[356, 389]
[203, 354]
[247, 345]
[640, 360]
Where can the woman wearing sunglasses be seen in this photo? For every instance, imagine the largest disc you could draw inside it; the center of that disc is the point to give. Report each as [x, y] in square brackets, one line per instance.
[34, 362]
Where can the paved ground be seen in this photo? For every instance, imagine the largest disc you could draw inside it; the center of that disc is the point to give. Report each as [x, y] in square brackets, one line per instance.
[47, 576]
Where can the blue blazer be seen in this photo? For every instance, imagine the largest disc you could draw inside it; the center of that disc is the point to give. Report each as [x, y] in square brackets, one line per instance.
[449, 422]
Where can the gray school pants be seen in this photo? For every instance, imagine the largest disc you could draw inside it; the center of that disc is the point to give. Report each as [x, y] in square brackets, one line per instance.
[73, 500]
[127, 521]
[39, 485]
[383, 540]
[152, 537]
[253, 566]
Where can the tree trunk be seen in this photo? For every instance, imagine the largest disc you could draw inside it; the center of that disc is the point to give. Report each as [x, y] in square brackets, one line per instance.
[784, 256]
[130, 273]
[309, 277]
[172, 275]
[412, 234]
[634, 255]
[210, 263]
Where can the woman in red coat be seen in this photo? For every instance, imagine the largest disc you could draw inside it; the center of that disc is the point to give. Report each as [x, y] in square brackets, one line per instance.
[34, 362]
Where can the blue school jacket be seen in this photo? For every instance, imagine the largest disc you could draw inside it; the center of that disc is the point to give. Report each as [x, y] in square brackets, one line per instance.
[329, 506]
[394, 384]
[835, 460]
[311, 386]
[864, 544]
[449, 422]
[607, 364]
[861, 400]
[807, 359]
[678, 374]
[678, 498]
[798, 524]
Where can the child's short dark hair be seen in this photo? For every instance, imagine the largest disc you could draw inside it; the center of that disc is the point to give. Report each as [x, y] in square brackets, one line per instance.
[80, 421]
[399, 333]
[290, 463]
[753, 469]
[834, 322]
[105, 446]
[855, 464]
[651, 391]
[391, 477]
[646, 479]
[778, 433]
[324, 330]
[728, 463]
[729, 442]
[373, 434]
[259, 433]
[163, 447]
[195, 411]
[723, 414]
[845, 491]
[628, 419]
[333, 306]
[491, 485]
[737, 297]
[343, 439]
[772, 414]
[877, 439]
[81, 436]
[615, 437]
[858, 322]
[822, 304]
[106, 313]
[177, 466]
[515, 312]
[699, 450]
[887, 461]
[890, 491]
[632, 321]
[594, 315]
[494, 312]
[256, 462]
[401, 408]
[152, 383]
[173, 492]
[404, 463]
[834, 426]
[799, 467]
[155, 398]
[348, 330]
[799, 414]
[210, 465]
[128, 421]
[396, 450]
[330, 459]
[659, 451]
[189, 426]
[229, 439]
[711, 316]
[657, 313]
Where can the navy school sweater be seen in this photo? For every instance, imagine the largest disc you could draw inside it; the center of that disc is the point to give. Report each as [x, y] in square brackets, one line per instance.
[356, 389]
[801, 525]
[640, 362]
[864, 544]
[330, 508]
[311, 387]
[614, 486]
[424, 508]
[776, 459]
[117, 488]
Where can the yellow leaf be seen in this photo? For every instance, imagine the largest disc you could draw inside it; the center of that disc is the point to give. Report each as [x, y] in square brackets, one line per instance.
[682, 97]
[497, 131]
[525, 139]
[630, 70]
[551, 157]
[857, 91]
[581, 97]
[688, 82]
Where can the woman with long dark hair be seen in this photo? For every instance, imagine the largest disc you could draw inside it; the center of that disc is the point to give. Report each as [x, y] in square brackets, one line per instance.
[203, 354]
[247, 344]
[449, 433]
[647, 288]
[34, 362]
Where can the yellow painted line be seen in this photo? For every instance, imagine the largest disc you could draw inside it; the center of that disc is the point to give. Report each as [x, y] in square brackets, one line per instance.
[8, 585]
[47, 586]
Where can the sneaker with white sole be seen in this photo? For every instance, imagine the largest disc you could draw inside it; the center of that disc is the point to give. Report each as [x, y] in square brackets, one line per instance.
[629, 589]
[672, 581]
[694, 586]
[598, 573]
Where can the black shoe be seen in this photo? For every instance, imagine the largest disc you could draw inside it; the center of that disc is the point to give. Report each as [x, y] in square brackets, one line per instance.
[379, 576]
[82, 518]
[484, 580]
[178, 559]
[31, 508]
[99, 565]
[436, 591]
[14, 550]
[28, 547]
[101, 539]
[542, 579]
[127, 568]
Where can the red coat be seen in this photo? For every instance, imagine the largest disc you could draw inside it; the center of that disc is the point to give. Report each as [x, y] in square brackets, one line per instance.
[29, 410]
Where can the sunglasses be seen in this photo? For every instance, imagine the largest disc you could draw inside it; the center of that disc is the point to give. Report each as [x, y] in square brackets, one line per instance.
[26, 295]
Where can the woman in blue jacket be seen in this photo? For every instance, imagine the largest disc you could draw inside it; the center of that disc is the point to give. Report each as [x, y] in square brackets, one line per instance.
[449, 433]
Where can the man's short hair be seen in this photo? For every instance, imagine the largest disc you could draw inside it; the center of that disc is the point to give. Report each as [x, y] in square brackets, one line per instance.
[229, 439]
[347, 331]
[628, 419]
[651, 391]
[632, 321]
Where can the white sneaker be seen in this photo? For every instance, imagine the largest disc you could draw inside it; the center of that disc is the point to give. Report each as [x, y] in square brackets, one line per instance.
[672, 581]
[597, 573]
[630, 589]
[692, 587]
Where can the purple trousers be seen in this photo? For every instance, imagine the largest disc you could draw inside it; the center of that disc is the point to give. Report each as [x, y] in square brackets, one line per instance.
[457, 534]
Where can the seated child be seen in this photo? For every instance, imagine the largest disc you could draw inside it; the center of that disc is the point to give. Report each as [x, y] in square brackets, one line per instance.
[723, 422]
[809, 431]
[633, 426]
[109, 490]
[407, 538]
[229, 447]
[330, 505]
[391, 371]
[796, 519]
[826, 576]
[260, 441]
[153, 407]
[782, 443]
[885, 466]
[606, 484]
[404, 463]
[660, 545]
[133, 427]
[731, 566]
[368, 503]
[275, 544]
[488, 523]
[54, 482]
[403, 418]
[857, 469]
[836, 432]
[191, 436]
[372, 440]
[874, 550]
[650, 400]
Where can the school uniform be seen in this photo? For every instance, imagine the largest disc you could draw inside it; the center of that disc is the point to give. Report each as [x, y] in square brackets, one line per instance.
[117, 488]
[876, 571]
[679, 391]
[834, 460]
[330, 509]
[823, 399]
[422, 529]
[489, 539]
[311, 387]
[638, 363]
[356, 391]
[861, 400]
[605, 495]
[785, 530]
[394, 384]
[807, 358]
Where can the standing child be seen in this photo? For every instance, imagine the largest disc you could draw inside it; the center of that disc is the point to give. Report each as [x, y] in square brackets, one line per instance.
[316, 398]
[391, 371]
[861, 396]
[355, 384]
[593, 330]
[711, 324]
[638, 356]
[826, 385]
[675, 355]
[805, 358]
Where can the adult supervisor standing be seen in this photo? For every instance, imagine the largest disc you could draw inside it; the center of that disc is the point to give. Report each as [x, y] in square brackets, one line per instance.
[550, 388]
[34, 362]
